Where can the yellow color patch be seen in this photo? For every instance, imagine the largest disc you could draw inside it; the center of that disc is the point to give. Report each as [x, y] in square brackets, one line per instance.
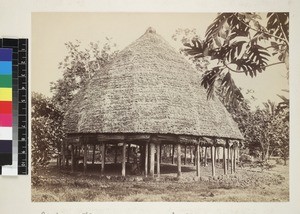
[5, 94]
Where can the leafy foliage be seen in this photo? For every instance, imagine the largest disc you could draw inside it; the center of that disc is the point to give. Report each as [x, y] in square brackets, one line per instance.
[266, 130]
[48, 113]
[78, 67]
[237, 42]
[47, 135]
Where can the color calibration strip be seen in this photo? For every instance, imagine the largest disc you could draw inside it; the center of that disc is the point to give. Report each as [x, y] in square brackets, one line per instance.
[19, 106]
[6, 114]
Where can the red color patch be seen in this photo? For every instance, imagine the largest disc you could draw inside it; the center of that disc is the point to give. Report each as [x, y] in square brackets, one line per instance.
[5, 107]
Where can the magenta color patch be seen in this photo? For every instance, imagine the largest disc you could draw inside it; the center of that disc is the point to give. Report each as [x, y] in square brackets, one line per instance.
[6, 120]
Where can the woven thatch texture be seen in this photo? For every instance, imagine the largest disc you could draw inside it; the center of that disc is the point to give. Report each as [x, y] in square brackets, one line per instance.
[149, 88]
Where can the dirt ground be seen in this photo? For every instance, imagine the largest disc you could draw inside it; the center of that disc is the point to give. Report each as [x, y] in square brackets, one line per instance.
[249, 184]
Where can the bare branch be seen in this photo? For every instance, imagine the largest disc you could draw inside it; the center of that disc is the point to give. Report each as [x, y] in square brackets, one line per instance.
[287, 41]
[239, 71]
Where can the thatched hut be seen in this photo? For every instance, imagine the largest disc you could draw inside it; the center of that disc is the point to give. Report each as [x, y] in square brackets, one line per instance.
[149, 96]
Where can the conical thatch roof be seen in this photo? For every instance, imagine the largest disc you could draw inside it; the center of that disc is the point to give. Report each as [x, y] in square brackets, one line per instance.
[149, 88]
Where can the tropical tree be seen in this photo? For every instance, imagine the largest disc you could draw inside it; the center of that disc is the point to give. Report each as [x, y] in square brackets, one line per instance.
[281, 126]
[268, 131]
[240, 43]
[48, 113]
[47, 135]
[78, 67]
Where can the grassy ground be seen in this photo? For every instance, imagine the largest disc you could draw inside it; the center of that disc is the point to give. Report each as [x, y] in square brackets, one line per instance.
[248, 184]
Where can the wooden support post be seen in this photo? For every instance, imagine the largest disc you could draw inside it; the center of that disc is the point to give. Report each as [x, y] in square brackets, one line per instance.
[158, 159]
[198, 160]
[218, 154]
[200, 153]
[72, 158]
[191, 155]
[173, 154]
[160, 150]
[94, 150]
[215, 154]
[238, 154]
[224, 160]
[213, 161]
[152, 159]
[116, 153]
[85, 157]
[146, 158]
[234, 159]
[195, 151]
[178, 160]
[228, 157]
[184, 154]
[128, 152]
[124, 159]
[205, 156]
[231, 154]
[102, 157]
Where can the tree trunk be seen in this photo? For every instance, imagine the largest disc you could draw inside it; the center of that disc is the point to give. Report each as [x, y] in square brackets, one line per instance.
[267, 153]
[63, 155]
[285, 161]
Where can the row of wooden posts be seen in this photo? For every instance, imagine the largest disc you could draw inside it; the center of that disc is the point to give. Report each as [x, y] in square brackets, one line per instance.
[149, 148]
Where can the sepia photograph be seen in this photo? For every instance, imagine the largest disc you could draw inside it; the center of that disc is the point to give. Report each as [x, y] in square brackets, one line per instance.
[160, 107]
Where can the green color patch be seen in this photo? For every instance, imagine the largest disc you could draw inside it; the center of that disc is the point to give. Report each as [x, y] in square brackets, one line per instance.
[5, 81]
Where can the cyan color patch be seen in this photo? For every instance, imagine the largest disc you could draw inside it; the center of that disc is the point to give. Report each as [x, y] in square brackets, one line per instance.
[5, 67]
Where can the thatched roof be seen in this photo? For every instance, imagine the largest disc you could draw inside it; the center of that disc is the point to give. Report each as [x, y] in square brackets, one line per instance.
[149, 88]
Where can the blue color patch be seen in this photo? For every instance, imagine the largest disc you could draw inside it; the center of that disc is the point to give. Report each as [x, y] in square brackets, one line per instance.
[5, 54]
[5, 67]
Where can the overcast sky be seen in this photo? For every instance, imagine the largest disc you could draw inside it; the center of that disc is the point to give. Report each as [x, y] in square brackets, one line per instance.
[51, 30]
